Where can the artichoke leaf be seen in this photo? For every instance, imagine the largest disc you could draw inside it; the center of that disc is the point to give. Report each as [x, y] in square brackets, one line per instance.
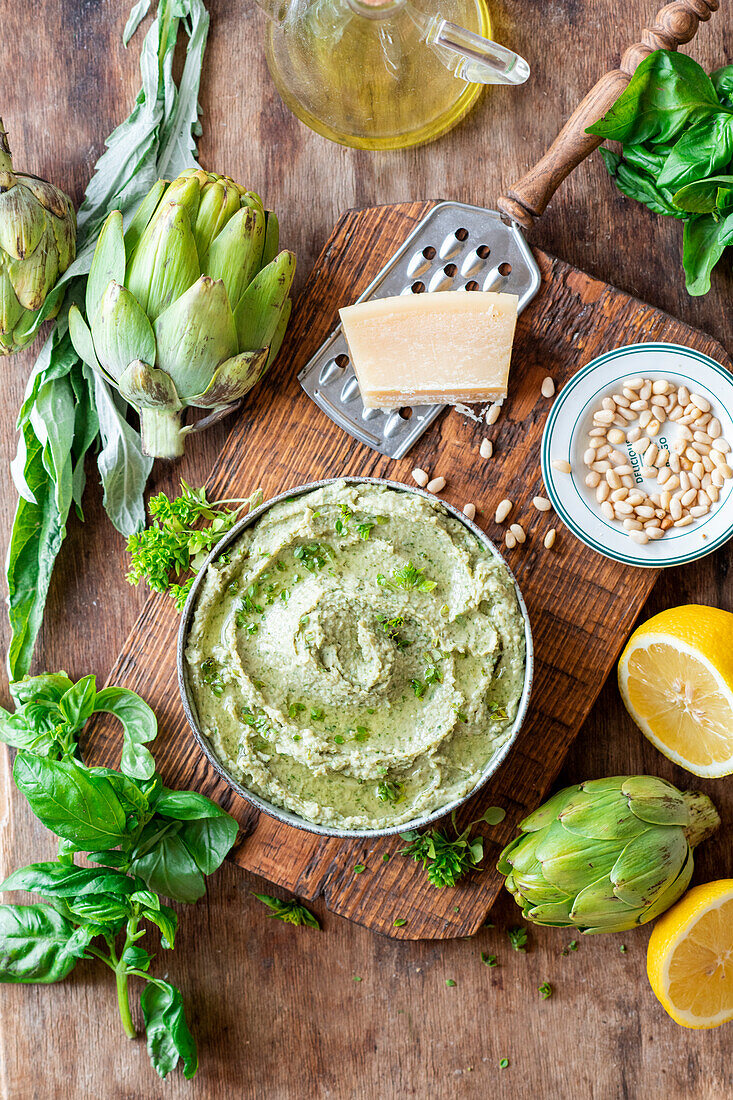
[195, 336]
[22, 222]
[233, 379]
[613, 783]
[51, 198]
[36, 275]
[505, 864]
[279, 336]
[258, 313]
[251, 198]
[655, 801]
[555, 913]
[272, 238]
[570, 861]
[147, 387]
[108, 262]
[673, 892]
[603, 816]
[186, 191]
[122, 333]
[648, 864]
[598, 907]
[142, 217]
[10, 308]
[236, 253]
[81, 338]
[545, 814]
[219, 202]
[165, 264]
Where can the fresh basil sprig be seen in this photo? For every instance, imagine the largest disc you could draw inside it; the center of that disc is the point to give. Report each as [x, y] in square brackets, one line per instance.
[675, 124]
[142, 839]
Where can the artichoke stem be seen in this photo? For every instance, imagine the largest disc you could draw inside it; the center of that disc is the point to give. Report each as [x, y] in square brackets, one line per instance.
[704, 818]
[162, 433]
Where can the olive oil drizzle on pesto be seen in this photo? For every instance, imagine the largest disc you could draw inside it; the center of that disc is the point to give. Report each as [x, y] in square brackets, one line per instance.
[369, 651]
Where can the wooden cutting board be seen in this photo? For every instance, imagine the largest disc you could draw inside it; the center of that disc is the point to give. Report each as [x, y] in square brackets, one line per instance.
[581, 606]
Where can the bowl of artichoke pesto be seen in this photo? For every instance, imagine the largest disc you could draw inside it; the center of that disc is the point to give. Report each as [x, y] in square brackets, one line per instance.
[355, 657]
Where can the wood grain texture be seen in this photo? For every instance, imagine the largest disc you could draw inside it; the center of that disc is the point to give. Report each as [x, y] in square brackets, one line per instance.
[276, 1010]
[676, 24]
[581, 605]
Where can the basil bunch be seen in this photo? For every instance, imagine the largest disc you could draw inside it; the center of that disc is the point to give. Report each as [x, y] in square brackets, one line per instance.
[144, 839]
[675, 124]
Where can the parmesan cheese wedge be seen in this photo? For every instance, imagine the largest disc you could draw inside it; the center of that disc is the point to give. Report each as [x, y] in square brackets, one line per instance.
[437, 348]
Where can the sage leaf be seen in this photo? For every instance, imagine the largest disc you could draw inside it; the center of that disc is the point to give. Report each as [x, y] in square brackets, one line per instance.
[139, 726]
[70, 801]
[168, 1036]
[34, 944]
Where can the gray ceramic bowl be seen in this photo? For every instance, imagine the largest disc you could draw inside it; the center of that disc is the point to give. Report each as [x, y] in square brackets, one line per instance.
[285, 815]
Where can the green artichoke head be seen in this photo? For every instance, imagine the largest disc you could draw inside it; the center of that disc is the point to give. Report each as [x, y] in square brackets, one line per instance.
[188, 305]
[37, 244]
[608, 854]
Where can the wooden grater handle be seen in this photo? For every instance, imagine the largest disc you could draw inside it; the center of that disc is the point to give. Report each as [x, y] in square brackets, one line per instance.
[675, 24]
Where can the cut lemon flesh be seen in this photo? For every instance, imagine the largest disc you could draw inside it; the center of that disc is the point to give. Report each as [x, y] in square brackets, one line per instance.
[676, 679]
[690, 957]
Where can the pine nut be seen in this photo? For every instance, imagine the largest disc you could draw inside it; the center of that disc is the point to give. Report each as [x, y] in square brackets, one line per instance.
[616, 436]
[592, 479]
[509, 540]
[683, 395]
[633, 383]
[666, 523]
[619, 494]
[608, 403]
[641, 445]
[603, 451]
[633, 435]
[607, 510]
[688, 497]
[561, 465]
[664, 475]
[714, 428]
[718, 478]
[636, 497]
[620, 400]
[486, 449]
[639, 536]
[675, 508]
[654, 532]
[699, 510]
[721, 446]
[518, 531]
[437, 485]
[598, 442]
[649, 471]
[549, 540]
[602, 492]
[661, 385]
[700, 402]
[645, 511]
[674, 462]
[597, 433]
[664, 500]
[699, 470]
[601, 466]
[632, 525]
[623, 471]
[673, 483]
[645, 416]
[469, 511]
[659, 413]
[420, 477]
[713, 492]
[503, 509]
[646, 391]
[604, 416]
[651, 454]
[702, 437]
[662, 459]
[653, 427]
[617, 459]
[548, 387]
[726, 471]
[676, 413]
[493, 414]
[613, 479]
[694, 480]
[623, 508]
[684, 522]
[626, 414]
[542, 504]
[627, 480]
[643, 408]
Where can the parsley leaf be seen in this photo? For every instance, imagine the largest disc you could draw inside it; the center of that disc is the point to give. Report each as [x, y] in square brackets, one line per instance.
[407, 578]
[518, 938]
[292, 912]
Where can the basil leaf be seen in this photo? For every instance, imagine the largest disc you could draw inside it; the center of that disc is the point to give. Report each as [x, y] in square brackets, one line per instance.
[704, 196]
[33, 944]
[63, 881]
[103, 909]
[71, 801]
[15, 731]
[187, 805]
[137, 958]
[77, 704]
[667, 90]
[80, 939]
[166, 920]
[49, 686]
[168, 867]
[700, 152]
[636, 184]
[722, 81]
[650, 159]
[133, 800]
[704, 242]
[139, 726]
[168, 1035]
[109, 859]
[209, 840]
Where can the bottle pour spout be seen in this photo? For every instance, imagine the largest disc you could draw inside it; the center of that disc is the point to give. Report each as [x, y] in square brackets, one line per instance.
[473, 58]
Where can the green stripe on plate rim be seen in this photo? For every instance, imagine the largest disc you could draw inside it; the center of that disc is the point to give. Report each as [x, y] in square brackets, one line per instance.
[548, 473]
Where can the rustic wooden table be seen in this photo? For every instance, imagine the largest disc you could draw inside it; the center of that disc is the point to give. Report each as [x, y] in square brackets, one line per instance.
[277, 1010]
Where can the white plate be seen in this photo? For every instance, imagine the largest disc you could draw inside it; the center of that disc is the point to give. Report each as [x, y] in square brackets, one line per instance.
[566, 437]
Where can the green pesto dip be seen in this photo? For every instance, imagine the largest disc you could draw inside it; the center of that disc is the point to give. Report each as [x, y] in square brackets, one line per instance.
[357, 657]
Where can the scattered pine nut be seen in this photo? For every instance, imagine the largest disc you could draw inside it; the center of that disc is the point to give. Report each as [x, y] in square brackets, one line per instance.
[518, 531]
[509, 540]
[542, 504]
[420, 477]
[493, 414]
[548, 387]
[486, 449]
[549, 540]
[437, 485]
[469, 511]
[503, 509]
[562, 465]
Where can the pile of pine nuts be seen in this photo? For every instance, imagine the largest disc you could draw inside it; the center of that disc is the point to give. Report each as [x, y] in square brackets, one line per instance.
[689, 472]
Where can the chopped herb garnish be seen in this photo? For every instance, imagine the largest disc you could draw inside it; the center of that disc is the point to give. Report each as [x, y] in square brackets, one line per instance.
[339, 739]
[304, 620]
[489, 960]
[358, 868]
[362, 734]
[518, 938]
[356, 978]
[407, 578]
[545, 990]
[497, 711]
[313, 556]
[341, 527]
[389, 791]
[418, 687]
[503, 1063]
[449, 982]
[385, 857]
[364, 528]
[623, 949]
[317, 715]
[296, 737]
[295, 709]
[399, 922]
[292, 912]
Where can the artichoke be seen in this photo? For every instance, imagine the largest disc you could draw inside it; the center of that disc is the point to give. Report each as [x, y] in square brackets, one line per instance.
[608, 854]
[188, 305]
[37, 244]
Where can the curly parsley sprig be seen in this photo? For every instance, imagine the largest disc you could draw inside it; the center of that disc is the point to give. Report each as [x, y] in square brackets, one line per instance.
[448, 859]
[182, 533]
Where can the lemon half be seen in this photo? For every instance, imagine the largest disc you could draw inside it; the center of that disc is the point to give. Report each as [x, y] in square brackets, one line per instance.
[690, 957]
[676, 679]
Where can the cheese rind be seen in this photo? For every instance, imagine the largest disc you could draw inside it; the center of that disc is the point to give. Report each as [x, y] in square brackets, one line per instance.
[434, 348]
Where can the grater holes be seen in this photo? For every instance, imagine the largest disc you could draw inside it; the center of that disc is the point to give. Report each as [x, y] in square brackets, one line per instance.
[472, 285]
[342, 361]
[450, 270]
[420, 262]
[483, 251]
[462, 234]
[333, 369]
[429, 252]
[417, 288]
[405, 413]
[505, 269]
[453, 244]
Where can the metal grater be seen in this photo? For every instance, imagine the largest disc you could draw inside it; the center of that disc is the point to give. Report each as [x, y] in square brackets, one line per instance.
[455, 247]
